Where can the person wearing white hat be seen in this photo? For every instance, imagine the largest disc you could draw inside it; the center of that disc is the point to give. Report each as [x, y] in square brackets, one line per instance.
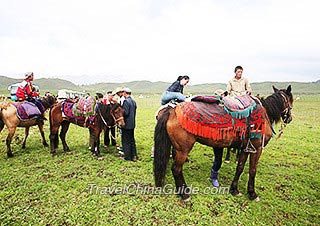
[119, 92]
[128, 140]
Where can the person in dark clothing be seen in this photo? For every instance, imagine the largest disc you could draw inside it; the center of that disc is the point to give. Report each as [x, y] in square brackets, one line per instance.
[175, 91]
[128, 140]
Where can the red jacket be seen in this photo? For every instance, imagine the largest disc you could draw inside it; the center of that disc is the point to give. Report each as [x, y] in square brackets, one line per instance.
[26, 90]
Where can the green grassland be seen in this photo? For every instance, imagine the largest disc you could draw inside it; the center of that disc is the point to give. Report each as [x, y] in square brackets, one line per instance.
[37, 189]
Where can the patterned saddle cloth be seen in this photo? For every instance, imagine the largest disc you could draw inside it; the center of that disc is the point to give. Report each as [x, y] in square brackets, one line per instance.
[26, 110]
[70, 109]
[211, 121]
[239, 106]
[85, 106]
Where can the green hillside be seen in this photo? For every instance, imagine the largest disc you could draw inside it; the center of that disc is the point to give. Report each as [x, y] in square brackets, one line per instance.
[147, 87]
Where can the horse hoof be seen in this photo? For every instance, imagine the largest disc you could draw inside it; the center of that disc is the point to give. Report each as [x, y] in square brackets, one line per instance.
[100, 158]
[69, 152]
[238, 195]
[10, 155]
[23, 147]
[227, 161]
[46, 145]
[257, 199]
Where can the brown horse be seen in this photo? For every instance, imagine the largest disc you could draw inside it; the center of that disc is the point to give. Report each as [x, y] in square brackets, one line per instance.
[169, 132]
[106, 116]
[9, 117]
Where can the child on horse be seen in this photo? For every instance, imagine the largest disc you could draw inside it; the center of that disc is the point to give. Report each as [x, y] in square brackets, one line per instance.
[27, 92]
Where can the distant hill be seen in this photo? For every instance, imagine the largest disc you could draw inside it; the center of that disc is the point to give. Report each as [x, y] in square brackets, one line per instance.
[45, 84]
[147, 87]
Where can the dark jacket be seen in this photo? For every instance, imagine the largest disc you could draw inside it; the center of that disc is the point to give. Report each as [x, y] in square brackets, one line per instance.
[176, 87]
[130, 107]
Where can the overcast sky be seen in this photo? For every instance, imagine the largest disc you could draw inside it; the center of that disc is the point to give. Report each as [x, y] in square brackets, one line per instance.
[158, 40]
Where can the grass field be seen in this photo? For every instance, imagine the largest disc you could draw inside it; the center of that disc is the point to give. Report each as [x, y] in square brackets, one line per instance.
[36, 189]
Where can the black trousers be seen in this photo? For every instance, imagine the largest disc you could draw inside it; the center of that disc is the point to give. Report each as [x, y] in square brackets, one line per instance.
[128, 144]
[107, 136]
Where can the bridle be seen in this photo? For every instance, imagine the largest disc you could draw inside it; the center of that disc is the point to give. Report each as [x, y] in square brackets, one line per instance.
[286, 113]
[114, 118]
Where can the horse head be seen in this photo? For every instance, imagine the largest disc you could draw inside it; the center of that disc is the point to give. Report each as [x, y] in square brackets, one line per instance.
[117, 113]
[48, 101]
[287, 101]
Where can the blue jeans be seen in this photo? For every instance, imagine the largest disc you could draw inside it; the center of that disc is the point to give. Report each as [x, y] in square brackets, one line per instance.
[167, 96]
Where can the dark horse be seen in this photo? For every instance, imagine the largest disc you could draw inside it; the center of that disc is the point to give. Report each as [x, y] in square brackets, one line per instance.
[168, 132]
[9, 117]
[106, 116]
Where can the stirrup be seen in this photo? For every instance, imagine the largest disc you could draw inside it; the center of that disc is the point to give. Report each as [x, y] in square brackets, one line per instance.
[250, 148]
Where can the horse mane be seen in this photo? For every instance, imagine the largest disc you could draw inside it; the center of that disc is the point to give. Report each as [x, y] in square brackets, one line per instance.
[274, 106]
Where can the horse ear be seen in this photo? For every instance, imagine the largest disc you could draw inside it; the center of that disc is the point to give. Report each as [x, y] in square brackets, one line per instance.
[289, 89]
[275, 89]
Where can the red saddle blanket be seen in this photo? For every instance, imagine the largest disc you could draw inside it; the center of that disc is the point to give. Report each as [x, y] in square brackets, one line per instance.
[211, 121]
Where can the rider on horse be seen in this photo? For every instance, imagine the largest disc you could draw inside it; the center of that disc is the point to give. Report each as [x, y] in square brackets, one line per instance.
[26, 91]
[175, 91]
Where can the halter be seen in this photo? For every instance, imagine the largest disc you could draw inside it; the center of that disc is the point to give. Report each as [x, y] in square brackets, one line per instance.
[286, 112]
[114, 118]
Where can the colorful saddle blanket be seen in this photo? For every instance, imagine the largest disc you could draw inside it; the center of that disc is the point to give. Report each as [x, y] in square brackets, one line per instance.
[211, 121]
[239, 106]
[85, 106]
[69, 109]
[26, 110]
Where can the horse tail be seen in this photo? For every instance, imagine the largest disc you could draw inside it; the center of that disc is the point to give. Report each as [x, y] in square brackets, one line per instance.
[162, 147]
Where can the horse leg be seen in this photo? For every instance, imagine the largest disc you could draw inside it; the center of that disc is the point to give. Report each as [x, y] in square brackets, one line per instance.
[227, 159]
[26, 133]
[216, 166]
[44, 142]
[234, 185]
[54, 139]
[92, 141]
[237, 154]
[64, 129]
[96, 142]
[181, 186]
[9, 139]
[254, 158]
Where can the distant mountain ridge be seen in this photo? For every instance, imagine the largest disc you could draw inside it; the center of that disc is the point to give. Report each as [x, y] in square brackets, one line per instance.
[147, 87]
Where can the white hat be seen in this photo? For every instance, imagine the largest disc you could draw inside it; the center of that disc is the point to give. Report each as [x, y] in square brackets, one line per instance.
[127, 90]
[117, 90]
[28, 74]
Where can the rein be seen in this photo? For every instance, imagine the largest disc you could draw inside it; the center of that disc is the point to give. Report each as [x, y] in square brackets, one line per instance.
[114, 118]
[104, 121]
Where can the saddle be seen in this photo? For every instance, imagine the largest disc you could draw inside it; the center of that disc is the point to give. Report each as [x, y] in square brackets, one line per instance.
[207, 99]
[26, 110]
